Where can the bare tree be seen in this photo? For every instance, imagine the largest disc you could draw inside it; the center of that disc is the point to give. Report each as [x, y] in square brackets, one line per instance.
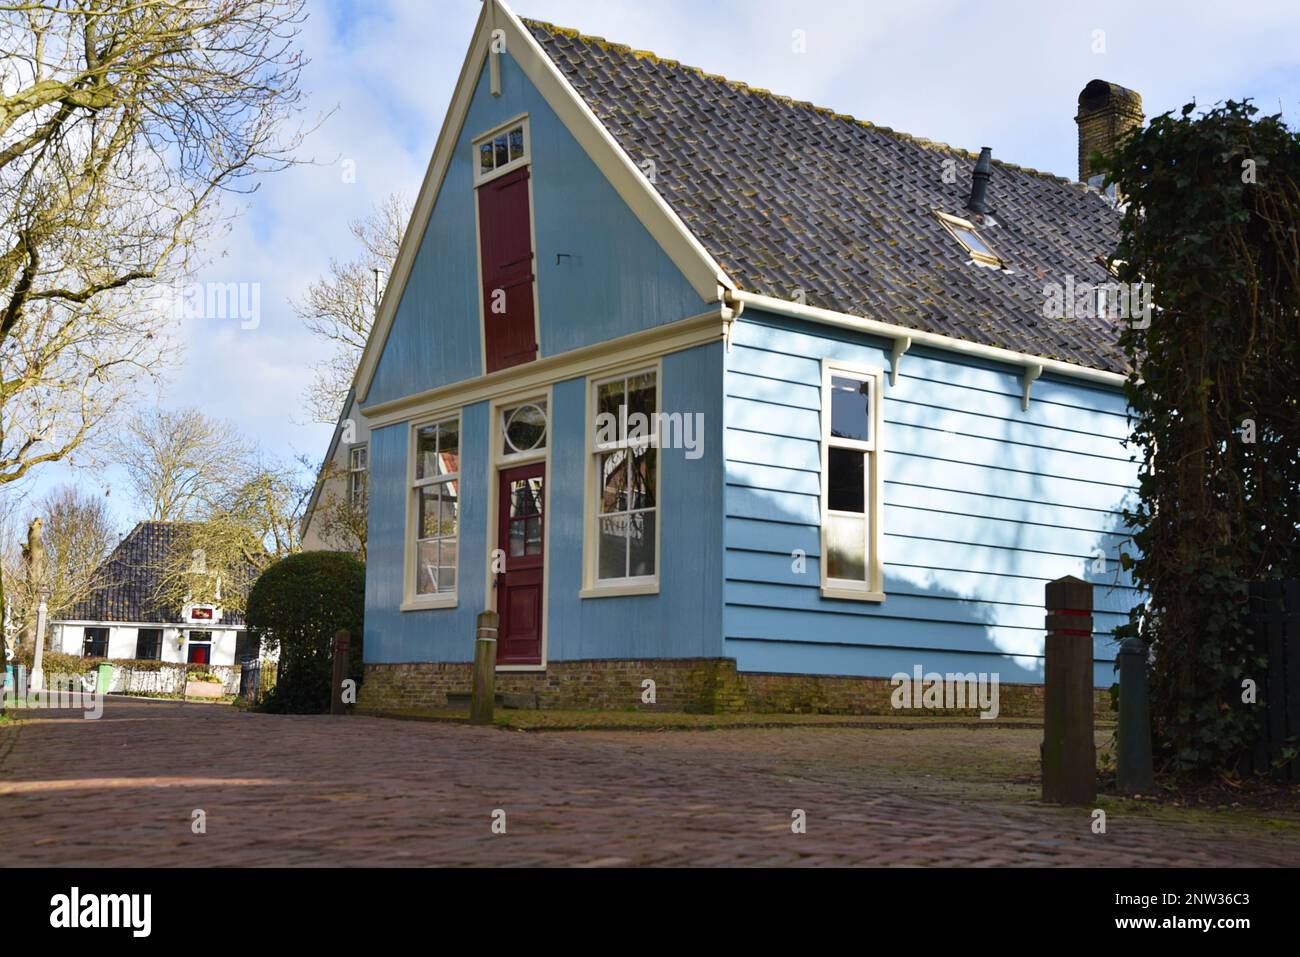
[79, 534]
[251, 525]
[340, 307]
[122, 125]
[182, 464]
[270, 502]
[76, 534]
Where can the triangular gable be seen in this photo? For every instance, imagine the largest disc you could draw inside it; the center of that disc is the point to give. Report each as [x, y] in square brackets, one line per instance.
[696, 265]
[335, 438]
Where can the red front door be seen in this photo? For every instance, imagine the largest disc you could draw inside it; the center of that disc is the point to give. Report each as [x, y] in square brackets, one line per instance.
[506, 241]
[520, 536]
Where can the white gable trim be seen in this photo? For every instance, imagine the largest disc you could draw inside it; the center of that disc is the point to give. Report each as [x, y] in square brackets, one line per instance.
[424, 201]
[667, 228]
[687, 252]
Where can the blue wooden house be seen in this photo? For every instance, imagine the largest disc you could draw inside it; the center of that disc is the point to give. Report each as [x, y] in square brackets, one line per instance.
[694, 383]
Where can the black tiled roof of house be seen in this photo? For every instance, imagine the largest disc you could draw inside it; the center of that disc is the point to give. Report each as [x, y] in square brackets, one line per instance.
[125, 585]
[788, 196]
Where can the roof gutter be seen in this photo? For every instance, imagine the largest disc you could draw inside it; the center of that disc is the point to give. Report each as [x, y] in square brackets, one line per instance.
[1030, 366]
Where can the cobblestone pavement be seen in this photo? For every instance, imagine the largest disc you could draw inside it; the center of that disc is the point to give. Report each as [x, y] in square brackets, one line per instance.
[307, 790]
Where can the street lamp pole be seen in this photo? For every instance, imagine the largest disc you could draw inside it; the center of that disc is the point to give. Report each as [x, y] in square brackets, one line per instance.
[180, 657]
[42, 611]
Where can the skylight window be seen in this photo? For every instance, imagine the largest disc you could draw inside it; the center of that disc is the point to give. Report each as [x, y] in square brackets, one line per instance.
[965, 233]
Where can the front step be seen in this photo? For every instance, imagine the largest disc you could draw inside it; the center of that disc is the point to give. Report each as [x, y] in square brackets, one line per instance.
[514, 700]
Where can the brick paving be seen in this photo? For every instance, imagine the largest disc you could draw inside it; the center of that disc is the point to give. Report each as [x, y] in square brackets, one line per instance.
[311, 791]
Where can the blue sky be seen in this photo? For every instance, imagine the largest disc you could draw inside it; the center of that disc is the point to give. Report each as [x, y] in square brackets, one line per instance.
[1004, 74]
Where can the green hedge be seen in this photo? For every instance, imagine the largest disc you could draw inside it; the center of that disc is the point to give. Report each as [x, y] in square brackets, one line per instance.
[297, 605]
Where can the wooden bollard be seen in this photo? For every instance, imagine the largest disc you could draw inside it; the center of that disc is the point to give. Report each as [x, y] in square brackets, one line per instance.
[1069, 752]
[483, 694]
[342, 651]
[1133, 764]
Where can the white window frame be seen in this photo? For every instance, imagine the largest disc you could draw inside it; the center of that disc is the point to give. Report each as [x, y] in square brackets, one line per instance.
[506, 459]
[593, 585]
[353, 471]
[873, 589]
[954, 223]
[108, 638]
[522, 121]
[500, 460]
[448, 599]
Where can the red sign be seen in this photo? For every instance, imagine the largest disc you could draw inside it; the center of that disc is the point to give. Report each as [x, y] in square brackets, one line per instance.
[201, 614]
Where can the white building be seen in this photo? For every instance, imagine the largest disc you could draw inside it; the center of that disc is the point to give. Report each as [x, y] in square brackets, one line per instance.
[342, 478]
[121, 619]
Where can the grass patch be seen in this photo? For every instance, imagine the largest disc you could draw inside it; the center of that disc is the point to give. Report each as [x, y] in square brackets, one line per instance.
[560, 720]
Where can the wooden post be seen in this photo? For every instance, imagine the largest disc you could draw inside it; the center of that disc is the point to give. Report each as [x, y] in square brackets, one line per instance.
[1133, 758]
[342, 652]
[483, 694]
[1069, 752]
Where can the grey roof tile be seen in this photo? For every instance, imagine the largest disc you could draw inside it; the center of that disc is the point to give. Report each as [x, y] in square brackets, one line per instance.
[785, 196]
[125, 585]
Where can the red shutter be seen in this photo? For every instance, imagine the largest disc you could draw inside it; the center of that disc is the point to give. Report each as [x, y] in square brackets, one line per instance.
[506, 245]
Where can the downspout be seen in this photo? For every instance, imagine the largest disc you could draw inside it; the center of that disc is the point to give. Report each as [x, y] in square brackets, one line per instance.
[731, 311]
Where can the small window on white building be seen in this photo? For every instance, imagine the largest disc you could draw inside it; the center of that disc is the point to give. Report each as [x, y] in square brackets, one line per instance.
[358, 463]
[148, 644]
[851, 506]
[95, 643]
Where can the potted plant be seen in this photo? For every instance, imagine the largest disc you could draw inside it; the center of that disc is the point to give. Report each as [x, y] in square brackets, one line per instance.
[202, 684]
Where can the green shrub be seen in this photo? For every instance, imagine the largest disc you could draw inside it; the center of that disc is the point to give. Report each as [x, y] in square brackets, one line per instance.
[297, 605]
[1211, 223]
[56, 662]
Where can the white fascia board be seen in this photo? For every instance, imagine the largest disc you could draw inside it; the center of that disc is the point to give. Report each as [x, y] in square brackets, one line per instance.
[90, 623]
[889, 330]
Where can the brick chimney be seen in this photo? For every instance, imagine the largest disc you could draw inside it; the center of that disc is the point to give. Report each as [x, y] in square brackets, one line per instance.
[1107, 111]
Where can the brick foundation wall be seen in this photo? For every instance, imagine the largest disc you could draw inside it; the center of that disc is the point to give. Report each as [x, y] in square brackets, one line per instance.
[703, 685]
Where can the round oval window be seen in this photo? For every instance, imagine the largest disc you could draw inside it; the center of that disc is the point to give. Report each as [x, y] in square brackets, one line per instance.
[525, 428]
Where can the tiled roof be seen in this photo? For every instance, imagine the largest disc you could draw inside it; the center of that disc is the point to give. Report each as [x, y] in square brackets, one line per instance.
[787, 196]
[125, 585]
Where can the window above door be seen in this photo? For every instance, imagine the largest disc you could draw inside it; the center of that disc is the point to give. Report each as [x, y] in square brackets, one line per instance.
[501, 150]
[523, 431]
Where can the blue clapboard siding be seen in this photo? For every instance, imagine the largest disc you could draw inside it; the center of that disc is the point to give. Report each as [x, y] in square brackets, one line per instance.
[831, 659]
[442, 634]
[600, 274]
[984, 503]
[684, 620]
